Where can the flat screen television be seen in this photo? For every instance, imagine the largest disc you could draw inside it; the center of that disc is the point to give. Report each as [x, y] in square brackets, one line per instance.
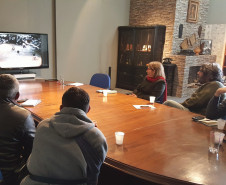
[23, 50]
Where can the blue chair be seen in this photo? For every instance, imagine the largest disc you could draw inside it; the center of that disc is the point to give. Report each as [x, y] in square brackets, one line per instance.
[101, 80]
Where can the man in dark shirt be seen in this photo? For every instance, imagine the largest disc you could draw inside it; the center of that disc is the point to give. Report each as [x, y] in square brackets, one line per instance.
[215, 109]
[17, 130]
[210, 78]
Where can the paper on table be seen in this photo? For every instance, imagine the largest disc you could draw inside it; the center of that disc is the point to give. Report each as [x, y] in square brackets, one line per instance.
[144, 106]
[208, 122]
[108, 91]
[30, 103]
[75, 84]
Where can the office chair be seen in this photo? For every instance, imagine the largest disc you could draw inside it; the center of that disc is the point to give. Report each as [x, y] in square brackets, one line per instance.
[101, 80]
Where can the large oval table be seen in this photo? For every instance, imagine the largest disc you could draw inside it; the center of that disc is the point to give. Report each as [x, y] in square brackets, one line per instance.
[161, 145]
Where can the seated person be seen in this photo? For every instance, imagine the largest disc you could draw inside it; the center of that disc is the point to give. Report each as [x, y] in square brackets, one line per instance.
[215, 109]
[67, 148]
[17, 130]
[210, 78]
[154, 83]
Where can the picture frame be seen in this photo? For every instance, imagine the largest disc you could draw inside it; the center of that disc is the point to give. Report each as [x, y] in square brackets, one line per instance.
[193, 11]
[205, 46]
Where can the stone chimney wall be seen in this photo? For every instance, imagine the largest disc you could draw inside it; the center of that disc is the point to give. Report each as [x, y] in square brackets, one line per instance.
[170, 13]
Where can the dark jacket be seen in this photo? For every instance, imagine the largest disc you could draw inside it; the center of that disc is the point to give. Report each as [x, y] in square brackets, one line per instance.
[147, 88]
[199, 100]
[17, 129]
[215, 109]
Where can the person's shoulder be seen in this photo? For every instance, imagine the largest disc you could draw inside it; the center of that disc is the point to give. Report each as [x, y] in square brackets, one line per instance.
[160, 81]
[94, 135]
[20, 111]
[216, 83]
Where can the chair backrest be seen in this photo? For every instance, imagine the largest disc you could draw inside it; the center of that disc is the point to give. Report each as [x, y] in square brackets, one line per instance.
[101, 80]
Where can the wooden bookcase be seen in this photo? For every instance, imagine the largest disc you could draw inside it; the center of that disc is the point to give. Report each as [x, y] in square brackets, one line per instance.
[137, 47]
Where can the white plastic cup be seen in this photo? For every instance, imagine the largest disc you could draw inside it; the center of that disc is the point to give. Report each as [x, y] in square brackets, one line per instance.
[119, 136]
[105, 92]
[216, 139]
[220, 124]
[152, 100]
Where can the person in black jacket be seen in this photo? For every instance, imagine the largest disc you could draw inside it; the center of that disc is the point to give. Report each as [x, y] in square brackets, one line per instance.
[154, 83]
[17, 130]
[215, 109]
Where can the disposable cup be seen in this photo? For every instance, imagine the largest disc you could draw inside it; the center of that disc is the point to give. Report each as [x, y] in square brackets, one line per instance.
[105, 93]
[152, 100]
[220, 124]
[119, 136]
[216, 139]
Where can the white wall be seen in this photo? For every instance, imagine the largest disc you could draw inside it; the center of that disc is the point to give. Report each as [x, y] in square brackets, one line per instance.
[32, 16]
[217, 12]
[87, 37]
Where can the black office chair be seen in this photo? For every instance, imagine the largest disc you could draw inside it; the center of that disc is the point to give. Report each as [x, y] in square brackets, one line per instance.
[101, 80]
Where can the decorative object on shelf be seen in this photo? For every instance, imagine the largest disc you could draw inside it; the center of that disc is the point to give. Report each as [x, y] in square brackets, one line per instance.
[192, 39]
[187, 52]
[184, 44]
[180, 31]
[167, 60]
[193, 11]
[199, 31]
[197, 50]
[206, 46]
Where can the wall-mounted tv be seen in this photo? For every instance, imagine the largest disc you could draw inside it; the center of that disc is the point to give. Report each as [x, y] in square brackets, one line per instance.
[23, 50]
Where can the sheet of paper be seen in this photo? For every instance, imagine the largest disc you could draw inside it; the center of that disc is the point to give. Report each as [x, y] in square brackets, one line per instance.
[30, 103]
[144, 106]
[75, 84]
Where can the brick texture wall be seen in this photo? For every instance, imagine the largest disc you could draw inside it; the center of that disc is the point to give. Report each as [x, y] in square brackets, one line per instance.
[170, 13]
[152, 12]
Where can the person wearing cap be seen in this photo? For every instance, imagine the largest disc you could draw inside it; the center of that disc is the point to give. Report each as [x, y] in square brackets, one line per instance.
[154, 83]
[210, 79]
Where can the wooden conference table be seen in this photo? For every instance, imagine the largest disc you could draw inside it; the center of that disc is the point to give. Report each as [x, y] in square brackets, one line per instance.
[161, 145]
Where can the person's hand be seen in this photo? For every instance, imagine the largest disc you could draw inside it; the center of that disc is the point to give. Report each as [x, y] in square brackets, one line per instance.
[220, 91]
[134, 95]
[94, 122]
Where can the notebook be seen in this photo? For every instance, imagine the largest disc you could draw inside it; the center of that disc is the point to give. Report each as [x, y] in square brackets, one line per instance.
[30, 103]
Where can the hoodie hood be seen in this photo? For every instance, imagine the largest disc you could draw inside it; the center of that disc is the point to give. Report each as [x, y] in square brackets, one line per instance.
[71, 122]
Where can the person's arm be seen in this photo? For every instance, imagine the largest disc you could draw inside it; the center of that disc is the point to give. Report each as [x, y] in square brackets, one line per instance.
[202, 96]
[216, 110]
[28, 136]
[157, 90]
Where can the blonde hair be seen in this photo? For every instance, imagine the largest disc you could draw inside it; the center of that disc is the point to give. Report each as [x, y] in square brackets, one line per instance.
[158, 67]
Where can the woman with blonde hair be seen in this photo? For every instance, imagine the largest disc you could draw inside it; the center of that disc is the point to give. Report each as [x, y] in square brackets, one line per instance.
[154, 83]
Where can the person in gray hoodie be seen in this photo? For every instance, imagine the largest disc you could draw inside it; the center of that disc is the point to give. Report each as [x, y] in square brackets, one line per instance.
[68, 148]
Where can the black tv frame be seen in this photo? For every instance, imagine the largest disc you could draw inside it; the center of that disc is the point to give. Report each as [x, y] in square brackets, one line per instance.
[34, 38]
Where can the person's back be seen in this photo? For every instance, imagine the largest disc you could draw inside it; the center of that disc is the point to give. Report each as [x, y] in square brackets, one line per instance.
[67, 146]
[17, 130]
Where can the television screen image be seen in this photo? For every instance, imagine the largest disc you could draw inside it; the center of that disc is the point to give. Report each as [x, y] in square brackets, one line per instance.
[23, 50]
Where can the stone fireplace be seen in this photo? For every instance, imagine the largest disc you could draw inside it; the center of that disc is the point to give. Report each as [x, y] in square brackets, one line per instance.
[181, 86]
[173, 14]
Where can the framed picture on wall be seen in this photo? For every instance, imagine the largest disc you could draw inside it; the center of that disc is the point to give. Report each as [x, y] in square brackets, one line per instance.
[193, 11]
[206, 47]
